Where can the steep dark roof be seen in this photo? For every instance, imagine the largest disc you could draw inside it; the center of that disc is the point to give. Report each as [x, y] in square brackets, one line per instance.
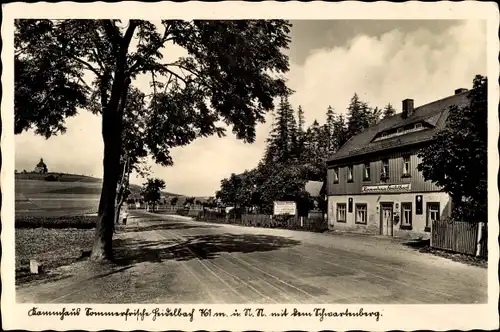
[41, 163]
[434, 114]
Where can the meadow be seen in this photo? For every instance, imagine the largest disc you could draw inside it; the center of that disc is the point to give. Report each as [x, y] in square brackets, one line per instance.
[51, 199]
[54, 220]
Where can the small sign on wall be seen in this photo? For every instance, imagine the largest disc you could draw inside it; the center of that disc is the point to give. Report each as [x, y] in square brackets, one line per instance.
[419, 203]
[350, 205]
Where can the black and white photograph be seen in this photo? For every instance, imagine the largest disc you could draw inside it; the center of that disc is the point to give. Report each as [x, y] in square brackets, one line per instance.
[313, 172]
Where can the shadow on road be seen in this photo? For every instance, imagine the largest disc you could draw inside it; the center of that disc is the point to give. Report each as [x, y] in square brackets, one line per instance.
[209, 246]
[418, 244]
[165, 226]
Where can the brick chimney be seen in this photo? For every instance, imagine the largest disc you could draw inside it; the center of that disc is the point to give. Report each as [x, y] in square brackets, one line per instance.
[458, 91]
[407, 108]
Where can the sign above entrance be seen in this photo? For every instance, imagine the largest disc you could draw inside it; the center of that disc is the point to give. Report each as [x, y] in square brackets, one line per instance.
[386, 188]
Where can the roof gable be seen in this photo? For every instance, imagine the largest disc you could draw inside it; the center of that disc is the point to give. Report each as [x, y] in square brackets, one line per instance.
[433, 114]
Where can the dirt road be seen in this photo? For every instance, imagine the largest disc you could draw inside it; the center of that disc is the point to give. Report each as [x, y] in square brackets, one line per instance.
[169, 259]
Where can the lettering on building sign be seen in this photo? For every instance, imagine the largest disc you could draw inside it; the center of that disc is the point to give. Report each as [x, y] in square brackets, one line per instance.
[387, 188]
[284, 208]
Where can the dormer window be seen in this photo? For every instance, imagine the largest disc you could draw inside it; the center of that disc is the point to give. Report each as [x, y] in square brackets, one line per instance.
[418, 125]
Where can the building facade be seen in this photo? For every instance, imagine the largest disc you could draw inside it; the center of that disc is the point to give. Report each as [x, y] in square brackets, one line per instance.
[373, 182]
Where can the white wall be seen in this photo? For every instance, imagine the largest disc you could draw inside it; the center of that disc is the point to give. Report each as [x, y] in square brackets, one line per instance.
[373, 210]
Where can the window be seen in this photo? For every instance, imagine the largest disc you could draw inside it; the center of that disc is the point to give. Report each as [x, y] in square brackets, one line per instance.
[384, 174]
[406, 215]
[336, 175]
[349, 173]
[400, 130]
[366, 173]
[341, 212]
[406, 166]
[361, 214]
[432, 214]
[418, 125]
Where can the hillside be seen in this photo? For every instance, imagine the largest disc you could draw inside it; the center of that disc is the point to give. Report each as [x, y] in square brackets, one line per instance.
[76, 184]
[61, 177]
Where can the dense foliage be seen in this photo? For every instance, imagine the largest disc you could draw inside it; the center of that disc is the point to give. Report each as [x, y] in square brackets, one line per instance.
[228, 79]
[78, 222]
[151, 191]
[295, 155]
[458, 158]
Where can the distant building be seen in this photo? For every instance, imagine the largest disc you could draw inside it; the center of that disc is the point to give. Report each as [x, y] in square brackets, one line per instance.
[373, 182]
[41, 168]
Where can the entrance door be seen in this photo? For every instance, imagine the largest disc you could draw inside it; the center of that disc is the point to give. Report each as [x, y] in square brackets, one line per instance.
[386, 215]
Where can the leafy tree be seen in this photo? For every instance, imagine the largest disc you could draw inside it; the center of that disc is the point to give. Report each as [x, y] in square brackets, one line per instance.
[388, 111]
[457, 160]
[151, 191]
[210, 203]
[189, 200]
[227, 76]
[283, 183]
[228, 190]
[174, 201]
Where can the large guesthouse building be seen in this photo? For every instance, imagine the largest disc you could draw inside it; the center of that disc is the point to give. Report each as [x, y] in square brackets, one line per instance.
[373, 182]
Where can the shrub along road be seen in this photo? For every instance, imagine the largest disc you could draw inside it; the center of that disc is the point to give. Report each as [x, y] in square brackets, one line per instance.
[170, 259]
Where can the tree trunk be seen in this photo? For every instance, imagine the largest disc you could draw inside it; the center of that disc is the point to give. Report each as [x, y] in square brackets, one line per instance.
[123, 183]
[102, 249]
[111, 133]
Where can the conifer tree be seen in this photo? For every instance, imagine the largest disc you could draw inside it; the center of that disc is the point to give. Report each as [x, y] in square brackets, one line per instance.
[388, 111]
[359, 116]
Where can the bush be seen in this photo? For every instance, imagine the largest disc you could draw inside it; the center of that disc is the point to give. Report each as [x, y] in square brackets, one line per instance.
[182, 212]
[80, 222]
[51, 177]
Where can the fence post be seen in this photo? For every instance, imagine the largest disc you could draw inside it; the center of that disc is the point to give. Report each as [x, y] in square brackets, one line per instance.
[479, 240]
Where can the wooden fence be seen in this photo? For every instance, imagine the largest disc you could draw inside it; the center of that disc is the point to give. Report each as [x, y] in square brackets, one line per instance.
[316, 224]
[459, 236]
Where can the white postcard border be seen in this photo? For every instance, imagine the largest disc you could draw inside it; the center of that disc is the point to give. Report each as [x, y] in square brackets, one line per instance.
[403, 317]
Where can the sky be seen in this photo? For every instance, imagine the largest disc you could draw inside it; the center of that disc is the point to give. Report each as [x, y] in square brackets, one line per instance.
[330, 60]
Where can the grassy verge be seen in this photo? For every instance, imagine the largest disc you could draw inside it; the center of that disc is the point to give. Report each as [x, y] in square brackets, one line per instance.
[52, 241]
[51, 247]
[79, 222]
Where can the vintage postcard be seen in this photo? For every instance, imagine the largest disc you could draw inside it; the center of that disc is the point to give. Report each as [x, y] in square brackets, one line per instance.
[250, 166]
